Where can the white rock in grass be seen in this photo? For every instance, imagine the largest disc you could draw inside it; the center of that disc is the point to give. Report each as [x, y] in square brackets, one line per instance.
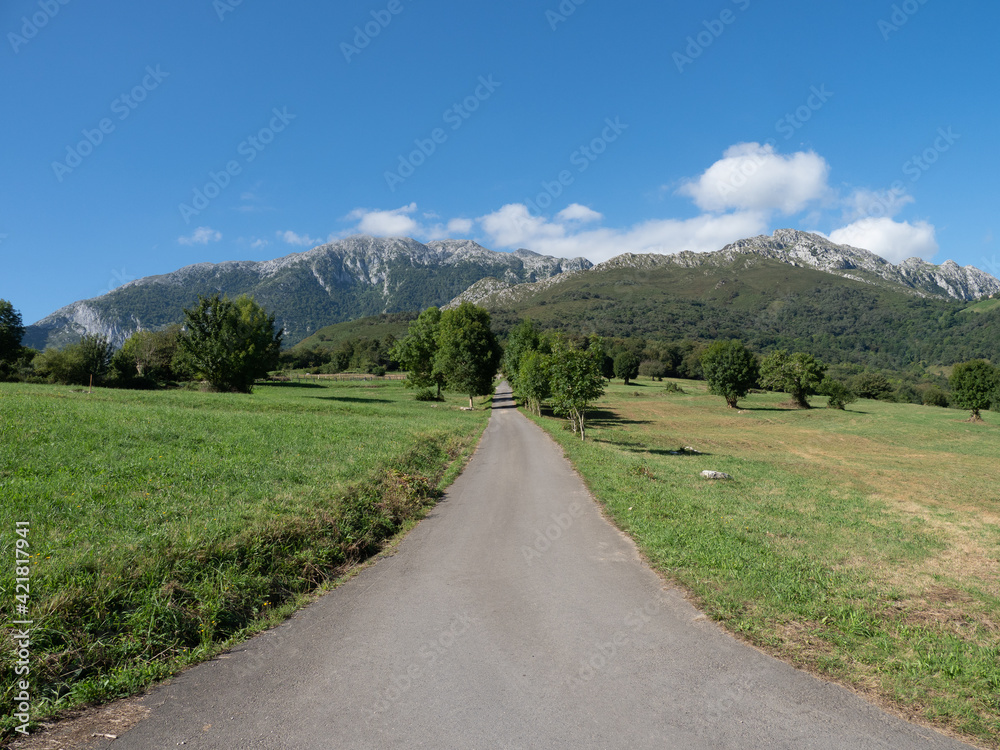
[715, 475]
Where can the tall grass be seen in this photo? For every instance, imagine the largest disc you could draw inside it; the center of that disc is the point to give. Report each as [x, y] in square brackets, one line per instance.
[166, 525]
[862, 544]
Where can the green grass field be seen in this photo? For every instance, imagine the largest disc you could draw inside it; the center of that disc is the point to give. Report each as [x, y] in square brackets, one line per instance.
[863, 545]
[164, 525]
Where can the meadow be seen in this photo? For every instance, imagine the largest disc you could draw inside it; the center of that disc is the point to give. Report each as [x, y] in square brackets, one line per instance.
[862, 545]
[164, 526]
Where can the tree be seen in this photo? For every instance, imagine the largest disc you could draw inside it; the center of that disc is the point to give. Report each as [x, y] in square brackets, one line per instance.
[524, 338]
[730, 369]
[146, 357]
[798, 374]
[468, 353]
[871, 385]
[415, 352]
[653, 369]
[229, 343]
[837, 394]
[11, 332]
[534, 380]
[95, 354]
[576, 381]
[974, 386]
[627, 366]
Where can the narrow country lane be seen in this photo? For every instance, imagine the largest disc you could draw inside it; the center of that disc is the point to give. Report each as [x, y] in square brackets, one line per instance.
[513, 616]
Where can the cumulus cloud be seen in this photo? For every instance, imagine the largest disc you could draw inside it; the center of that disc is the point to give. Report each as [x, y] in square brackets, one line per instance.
[201, 236]
[513, 226]
[875, 204]
[303, 240]
[259, 242]
[397, 222]
[576, 212]
[459, 226]
[893, 240]
[753, 177]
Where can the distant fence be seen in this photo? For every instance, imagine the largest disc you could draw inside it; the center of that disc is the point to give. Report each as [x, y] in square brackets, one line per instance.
[310, 377]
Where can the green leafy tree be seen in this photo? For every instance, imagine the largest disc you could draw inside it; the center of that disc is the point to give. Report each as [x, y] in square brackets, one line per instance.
[653, 369]
[798, 374]
[522, 340]
[974, 386]
[229, 343]
[11, 332]
[534, 380]
[730, 369]
[146, 357]
[416, 351]
[871, 385]
[838, 395]
[576, 381]
[934, 396]
[468, 353]
[607, 367]
[627, 366]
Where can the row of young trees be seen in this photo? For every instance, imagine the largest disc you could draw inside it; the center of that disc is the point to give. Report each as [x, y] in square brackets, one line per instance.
[732, 371]
[552, 368]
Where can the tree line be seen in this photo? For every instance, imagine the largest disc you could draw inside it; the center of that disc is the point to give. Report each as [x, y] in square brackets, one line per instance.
[231, 343]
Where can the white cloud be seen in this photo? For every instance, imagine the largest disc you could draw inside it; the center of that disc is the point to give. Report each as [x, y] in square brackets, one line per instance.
[752, 177]
[201, 236]
[513, 226]
[893, 240]
[394, 223]
[303, 240]
[576, 212]
[875, 204]
[259, 243]
[459, 226]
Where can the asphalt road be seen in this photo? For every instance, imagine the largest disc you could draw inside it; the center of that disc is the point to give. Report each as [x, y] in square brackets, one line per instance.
[514, 616]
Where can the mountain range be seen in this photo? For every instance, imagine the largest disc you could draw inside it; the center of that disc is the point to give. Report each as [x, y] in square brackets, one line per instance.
[352, 278]
[363, 276]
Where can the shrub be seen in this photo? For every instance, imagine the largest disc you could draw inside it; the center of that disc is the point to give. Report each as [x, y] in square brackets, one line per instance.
[934, 396]
[838, 395]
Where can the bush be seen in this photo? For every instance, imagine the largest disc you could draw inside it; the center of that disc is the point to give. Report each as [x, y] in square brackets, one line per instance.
[871, 385]
[426, 394]
[838, 395]
[934, 396]
[673, 388]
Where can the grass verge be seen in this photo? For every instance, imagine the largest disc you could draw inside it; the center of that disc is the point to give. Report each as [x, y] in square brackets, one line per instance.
[166, 526]
[863, 545]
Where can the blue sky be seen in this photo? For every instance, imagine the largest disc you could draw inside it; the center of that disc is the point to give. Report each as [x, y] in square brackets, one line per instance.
[139, 137]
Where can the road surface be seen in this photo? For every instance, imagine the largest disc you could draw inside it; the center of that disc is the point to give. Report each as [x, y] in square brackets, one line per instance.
[513, 616]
